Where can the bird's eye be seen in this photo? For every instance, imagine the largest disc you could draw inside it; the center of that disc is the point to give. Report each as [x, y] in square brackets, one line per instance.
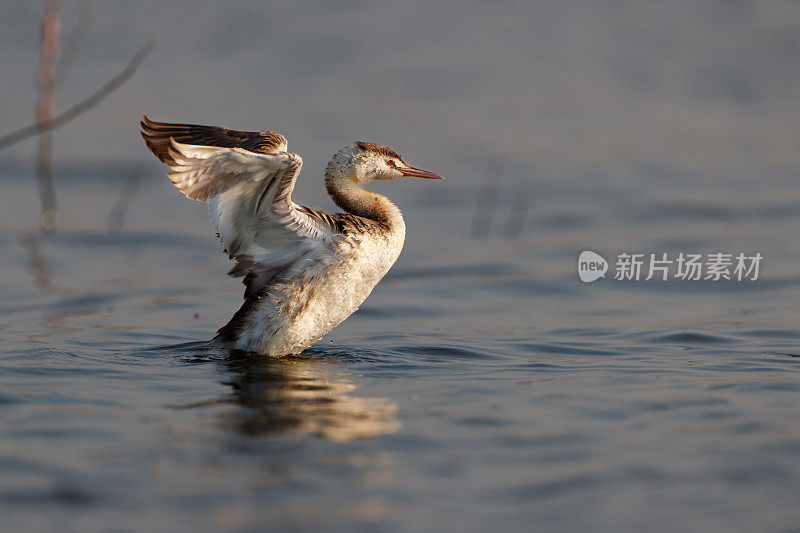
[390, 163]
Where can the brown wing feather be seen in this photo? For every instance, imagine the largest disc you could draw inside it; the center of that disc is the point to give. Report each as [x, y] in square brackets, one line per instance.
[342, 223]
[157, 135]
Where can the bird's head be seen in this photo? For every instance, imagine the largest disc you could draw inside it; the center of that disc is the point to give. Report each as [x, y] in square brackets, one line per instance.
[369, 161]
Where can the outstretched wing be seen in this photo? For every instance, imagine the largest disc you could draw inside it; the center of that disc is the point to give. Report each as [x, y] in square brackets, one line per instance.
[247, 180]
[158, 135]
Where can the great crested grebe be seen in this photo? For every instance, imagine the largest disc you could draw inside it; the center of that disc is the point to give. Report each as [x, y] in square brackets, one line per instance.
[304, 270]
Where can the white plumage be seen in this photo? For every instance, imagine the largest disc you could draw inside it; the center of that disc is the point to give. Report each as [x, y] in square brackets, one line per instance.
[304, 270]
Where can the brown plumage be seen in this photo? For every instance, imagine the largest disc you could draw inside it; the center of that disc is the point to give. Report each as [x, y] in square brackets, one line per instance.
[378, 149]
[304, 270]
[157, 135]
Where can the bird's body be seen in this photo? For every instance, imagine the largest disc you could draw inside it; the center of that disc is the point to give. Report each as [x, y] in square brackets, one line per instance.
[304, 270]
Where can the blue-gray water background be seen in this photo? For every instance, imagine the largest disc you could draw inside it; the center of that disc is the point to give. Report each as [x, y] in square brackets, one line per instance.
[481, 385]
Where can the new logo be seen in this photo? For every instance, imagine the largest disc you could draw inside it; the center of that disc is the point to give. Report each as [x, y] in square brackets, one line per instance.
[591, 266]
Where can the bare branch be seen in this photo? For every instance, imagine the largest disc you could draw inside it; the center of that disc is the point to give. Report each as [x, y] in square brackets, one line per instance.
[488, 197]
[130, 187]
[45, 107]
[70, 49]
[517, 214]
[37, 263]
[82, 106]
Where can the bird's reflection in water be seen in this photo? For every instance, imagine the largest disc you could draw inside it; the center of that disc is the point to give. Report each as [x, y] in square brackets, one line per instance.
[303, 394]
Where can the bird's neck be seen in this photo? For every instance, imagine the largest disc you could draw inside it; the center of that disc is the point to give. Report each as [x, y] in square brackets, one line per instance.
[348, 194]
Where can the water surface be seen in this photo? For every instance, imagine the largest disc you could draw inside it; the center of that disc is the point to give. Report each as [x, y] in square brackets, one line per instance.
[481, 385]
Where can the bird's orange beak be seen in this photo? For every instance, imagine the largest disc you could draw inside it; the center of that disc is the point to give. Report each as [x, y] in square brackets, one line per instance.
[417, 173]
